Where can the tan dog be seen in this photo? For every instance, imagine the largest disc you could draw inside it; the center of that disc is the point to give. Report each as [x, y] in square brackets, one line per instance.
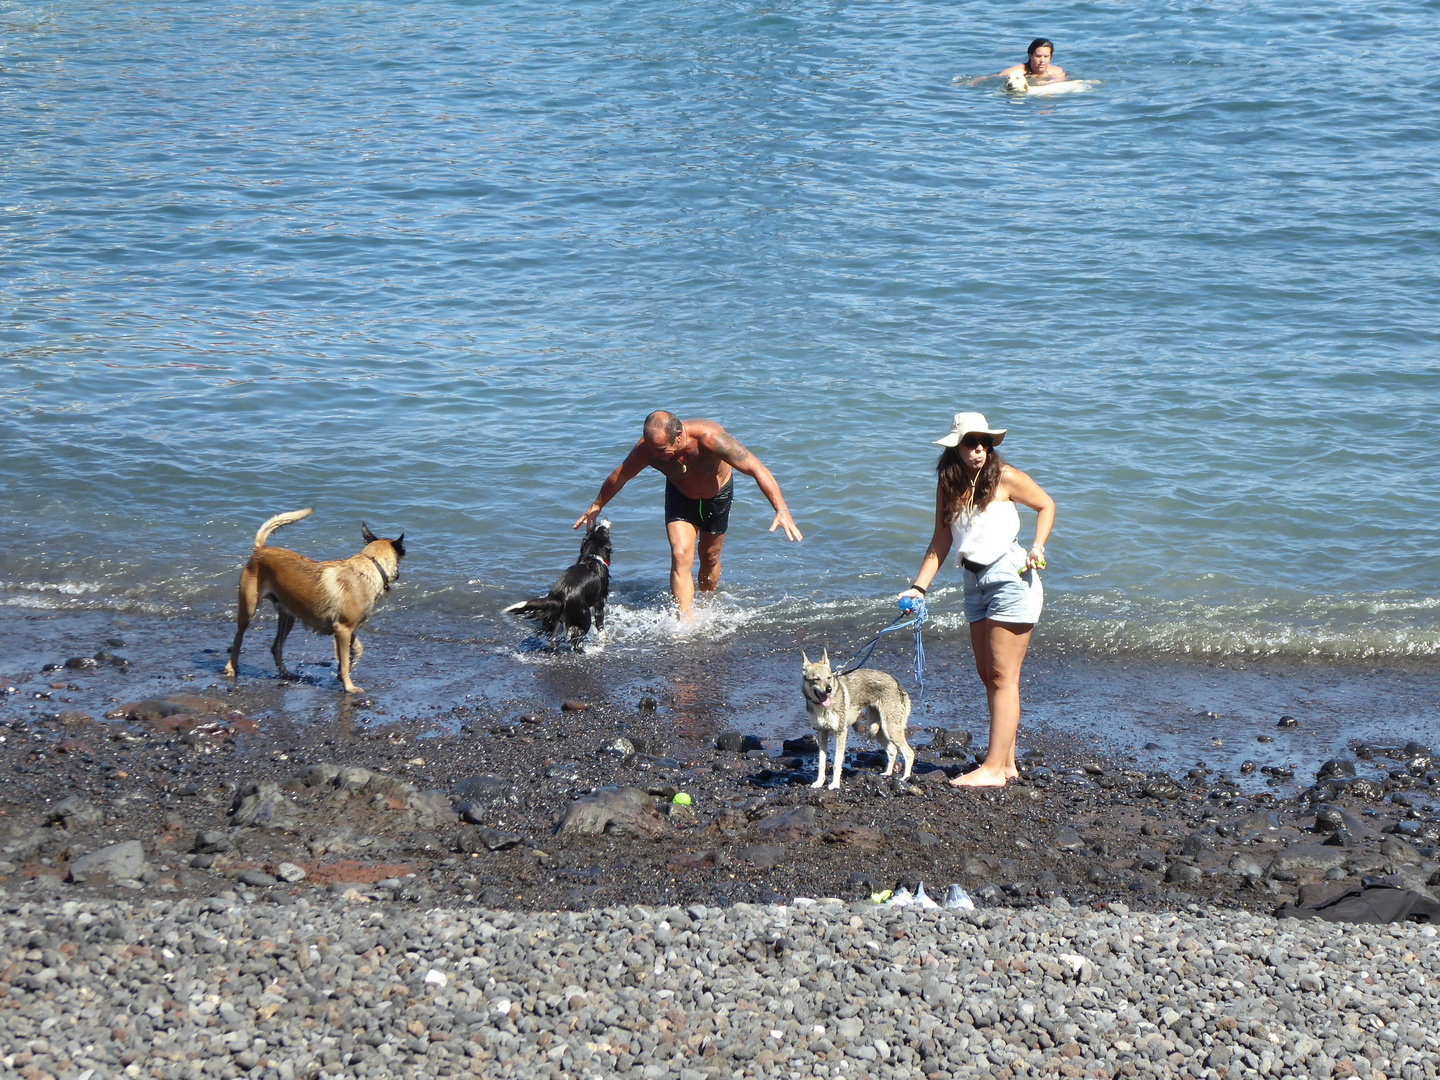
[333, 597]
[870, 701]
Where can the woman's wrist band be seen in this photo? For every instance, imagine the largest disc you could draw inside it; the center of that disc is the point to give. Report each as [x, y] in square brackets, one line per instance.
[918, 588]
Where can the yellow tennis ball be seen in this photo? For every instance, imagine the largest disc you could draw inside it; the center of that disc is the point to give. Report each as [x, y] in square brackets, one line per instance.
[681, 799]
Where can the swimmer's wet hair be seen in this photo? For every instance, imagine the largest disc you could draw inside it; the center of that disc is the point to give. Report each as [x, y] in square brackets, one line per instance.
[666, 423]
[1040, 43]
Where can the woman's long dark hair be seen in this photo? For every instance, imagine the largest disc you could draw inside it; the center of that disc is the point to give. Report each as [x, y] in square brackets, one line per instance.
[961, 491]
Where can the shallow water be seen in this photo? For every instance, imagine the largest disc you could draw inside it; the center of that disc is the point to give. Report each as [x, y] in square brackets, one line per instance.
[430, 266]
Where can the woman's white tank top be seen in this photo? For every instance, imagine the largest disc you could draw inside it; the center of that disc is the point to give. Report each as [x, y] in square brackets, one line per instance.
[984, 536]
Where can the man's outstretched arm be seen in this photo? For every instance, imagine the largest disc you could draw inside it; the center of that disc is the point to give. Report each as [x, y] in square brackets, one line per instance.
[728, 448]
[634, 463]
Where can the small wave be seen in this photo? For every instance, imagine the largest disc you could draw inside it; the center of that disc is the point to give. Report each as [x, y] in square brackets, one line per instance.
[83, 596]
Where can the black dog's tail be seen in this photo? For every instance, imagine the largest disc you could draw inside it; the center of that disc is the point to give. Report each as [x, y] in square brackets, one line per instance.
[543, 607]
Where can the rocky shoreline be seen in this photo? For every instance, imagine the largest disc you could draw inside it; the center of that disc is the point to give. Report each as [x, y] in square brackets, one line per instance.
[572, 805]
[196, 883]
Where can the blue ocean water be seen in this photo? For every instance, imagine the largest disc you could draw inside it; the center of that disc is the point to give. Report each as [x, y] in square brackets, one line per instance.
[430, 264]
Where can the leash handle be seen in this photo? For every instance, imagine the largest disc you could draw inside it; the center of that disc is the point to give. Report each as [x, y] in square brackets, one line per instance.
[913, 612]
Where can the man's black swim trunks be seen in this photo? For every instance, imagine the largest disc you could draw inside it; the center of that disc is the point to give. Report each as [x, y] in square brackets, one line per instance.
[708, 515]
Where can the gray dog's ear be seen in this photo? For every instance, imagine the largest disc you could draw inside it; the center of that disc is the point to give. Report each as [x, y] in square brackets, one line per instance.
[804, 657]
[365, 532]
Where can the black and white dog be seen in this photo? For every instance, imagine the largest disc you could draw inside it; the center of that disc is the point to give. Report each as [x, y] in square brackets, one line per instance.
[581, 589]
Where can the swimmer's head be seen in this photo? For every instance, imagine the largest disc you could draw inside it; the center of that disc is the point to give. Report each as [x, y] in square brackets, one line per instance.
[1039, 54]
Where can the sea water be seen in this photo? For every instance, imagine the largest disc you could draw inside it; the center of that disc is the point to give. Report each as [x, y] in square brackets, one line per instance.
[429, 266]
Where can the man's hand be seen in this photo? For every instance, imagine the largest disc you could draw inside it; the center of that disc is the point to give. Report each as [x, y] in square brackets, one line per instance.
[783, 520]
[588, 518]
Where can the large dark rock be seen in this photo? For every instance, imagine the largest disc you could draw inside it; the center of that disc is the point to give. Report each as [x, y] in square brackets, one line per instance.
[1397, 850]
[1331, 819]
[1162, 787]
[262, 804]
[1301, 858]
[1196, 843]
[1185, 874]
[806, 744]
[1256, 823]
[765, 856]
[487, 789]
[211, 842]
[733, 742]
[1338, 767]
[616, 811]
[1419, 832]
[793, 825]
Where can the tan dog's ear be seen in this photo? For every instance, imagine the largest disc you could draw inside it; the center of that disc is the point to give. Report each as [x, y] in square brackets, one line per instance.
[825, 658]
[366, 534]
[803, 657]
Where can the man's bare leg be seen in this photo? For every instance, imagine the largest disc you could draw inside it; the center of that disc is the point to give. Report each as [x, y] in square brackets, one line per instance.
[681, 535]
[999, 651]
[709, 546]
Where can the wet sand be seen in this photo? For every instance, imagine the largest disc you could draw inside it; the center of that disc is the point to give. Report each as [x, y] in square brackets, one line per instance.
[1087, 822]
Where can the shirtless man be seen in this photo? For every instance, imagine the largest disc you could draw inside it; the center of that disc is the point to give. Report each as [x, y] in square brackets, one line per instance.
[1037, 67]
[698, 459]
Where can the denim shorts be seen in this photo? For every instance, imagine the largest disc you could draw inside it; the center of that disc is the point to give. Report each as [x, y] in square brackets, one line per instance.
[999, 593]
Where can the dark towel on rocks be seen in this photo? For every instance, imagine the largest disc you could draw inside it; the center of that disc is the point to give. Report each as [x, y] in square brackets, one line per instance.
[1370, 902]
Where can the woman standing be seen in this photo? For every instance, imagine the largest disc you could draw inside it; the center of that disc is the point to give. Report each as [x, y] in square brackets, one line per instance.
[975, 499]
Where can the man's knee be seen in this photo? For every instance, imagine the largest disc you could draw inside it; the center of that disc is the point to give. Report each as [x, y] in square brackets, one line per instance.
[682, 555]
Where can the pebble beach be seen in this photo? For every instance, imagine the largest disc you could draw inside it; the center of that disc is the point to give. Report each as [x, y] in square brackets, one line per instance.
[224, 988]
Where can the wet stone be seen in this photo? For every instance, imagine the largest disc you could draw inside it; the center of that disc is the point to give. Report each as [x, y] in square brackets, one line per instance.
[1330, 819]
[1286, 722]
[1163, 787]
[736, 743]
[1336, 767]
[619, 747]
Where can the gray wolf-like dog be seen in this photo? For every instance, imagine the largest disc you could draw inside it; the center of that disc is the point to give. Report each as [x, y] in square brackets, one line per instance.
[870, 701]
[333, 597]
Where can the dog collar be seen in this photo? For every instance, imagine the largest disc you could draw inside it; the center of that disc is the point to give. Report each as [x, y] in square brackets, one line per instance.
[603, 562]
[384, 577]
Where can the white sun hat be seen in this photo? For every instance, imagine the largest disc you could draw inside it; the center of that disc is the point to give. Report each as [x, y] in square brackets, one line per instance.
[967, 423]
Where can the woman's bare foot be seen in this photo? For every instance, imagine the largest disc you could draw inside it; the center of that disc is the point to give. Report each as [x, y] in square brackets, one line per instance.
[981, 777]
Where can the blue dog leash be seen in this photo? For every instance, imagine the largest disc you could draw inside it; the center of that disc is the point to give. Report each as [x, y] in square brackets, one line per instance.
[905, 621]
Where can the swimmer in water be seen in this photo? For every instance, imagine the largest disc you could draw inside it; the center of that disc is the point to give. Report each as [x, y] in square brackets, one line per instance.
[1037, 67]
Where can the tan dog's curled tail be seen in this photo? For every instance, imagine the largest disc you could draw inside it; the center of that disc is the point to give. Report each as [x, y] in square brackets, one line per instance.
[277, 522]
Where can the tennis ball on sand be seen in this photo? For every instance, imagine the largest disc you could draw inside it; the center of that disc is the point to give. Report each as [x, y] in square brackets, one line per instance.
[681, 799]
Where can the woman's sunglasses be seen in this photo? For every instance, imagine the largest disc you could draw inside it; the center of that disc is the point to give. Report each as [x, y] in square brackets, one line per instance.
[970, 442]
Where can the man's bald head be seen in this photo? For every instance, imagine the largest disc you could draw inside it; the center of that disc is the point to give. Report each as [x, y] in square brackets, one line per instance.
[663, 428]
